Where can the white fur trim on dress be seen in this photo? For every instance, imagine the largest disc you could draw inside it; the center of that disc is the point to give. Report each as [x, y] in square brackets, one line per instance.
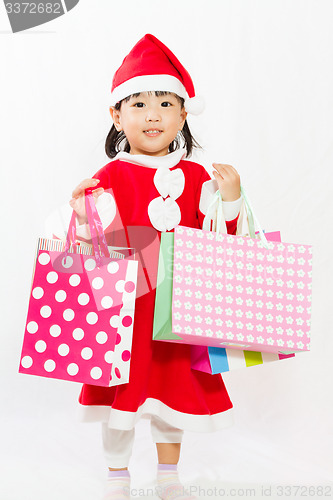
[170, 160]
[169, 182]
[147, 83]
[126, 420]
[164, 214]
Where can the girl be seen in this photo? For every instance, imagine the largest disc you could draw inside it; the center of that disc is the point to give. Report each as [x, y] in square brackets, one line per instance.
[154, 188]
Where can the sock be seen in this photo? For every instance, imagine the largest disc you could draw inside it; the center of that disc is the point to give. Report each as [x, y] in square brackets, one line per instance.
[118, 485]
[168, 484]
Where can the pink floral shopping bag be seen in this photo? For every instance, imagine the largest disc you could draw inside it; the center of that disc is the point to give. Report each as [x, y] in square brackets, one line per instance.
[233, 291]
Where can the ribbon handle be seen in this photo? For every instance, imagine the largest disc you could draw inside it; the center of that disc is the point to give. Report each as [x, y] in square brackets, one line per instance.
[71, 235]
[215, 206]
[96, 229]
[252, 218]
[99, 243]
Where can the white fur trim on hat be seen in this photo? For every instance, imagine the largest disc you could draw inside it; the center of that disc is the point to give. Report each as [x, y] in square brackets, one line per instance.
[146, 83]
[195, 105]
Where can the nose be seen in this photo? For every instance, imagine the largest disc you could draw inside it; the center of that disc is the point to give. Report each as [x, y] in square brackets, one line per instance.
[152, 114]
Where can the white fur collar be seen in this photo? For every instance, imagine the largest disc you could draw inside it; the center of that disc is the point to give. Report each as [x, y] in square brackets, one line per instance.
[168, 161]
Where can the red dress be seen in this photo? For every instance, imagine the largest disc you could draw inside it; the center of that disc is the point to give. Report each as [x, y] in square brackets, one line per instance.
[161, 381]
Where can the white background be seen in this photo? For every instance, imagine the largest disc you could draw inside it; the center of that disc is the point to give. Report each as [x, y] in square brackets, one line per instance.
[265, 70]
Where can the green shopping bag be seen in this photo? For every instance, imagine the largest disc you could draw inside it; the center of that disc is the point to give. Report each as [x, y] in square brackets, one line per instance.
[162, 327]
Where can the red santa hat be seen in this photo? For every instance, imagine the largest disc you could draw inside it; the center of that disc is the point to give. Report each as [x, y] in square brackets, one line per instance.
[151, 66]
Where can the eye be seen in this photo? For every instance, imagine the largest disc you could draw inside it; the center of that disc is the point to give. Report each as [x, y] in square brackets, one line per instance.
[166, 104]
[138, 105]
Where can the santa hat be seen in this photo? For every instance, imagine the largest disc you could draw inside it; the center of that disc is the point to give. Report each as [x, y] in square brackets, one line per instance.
[151, 66]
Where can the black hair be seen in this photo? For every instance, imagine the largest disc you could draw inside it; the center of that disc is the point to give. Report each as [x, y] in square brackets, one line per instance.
[117, 141]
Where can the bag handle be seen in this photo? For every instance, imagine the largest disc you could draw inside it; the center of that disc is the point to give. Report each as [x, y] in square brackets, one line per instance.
[220, 222]
[252, 218]
[99, 243]
[96, 228]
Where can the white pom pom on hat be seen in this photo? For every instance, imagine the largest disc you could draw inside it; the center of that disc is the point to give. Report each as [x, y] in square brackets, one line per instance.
[151, 66]
[195, 105]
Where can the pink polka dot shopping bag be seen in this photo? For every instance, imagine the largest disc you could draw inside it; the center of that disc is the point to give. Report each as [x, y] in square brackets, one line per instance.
[232, 291]
[80, 317]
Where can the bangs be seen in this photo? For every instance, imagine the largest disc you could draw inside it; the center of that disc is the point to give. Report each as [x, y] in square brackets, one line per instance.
[157, 93]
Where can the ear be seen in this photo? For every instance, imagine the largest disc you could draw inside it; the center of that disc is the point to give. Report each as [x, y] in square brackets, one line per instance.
[115, 115]
[183, 116]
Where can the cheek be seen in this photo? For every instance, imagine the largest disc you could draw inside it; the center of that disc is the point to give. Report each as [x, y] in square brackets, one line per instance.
[179, 118]
[133, 122]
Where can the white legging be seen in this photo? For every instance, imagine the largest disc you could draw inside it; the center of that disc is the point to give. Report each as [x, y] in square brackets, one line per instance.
[118, 444]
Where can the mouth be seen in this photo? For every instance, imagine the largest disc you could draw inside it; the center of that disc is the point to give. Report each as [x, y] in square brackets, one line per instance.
[152, 132]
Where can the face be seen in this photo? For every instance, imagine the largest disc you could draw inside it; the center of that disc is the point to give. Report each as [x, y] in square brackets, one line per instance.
[150, 122]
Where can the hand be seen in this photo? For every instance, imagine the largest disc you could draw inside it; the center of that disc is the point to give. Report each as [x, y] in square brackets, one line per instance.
[78, 198]
[228, 181]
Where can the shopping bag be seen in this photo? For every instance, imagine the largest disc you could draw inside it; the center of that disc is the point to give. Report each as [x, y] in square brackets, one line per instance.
[80, 317]
[219, 360]
[240, 292]
[207, 359]
[215, 360]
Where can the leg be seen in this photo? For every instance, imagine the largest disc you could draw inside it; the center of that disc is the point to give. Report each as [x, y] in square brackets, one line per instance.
[168, 453]
[168, 443]
[118, 449]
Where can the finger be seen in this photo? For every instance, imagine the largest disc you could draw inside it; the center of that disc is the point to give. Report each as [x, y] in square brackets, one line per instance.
[97, 192]
[217, 166]
[218, 170]
[232, 173]
[219, 179]
[223, 173]
[228, 172]
[233, 169]
[80, 189]
[223, 167]
[74, 204]
[217, 175]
